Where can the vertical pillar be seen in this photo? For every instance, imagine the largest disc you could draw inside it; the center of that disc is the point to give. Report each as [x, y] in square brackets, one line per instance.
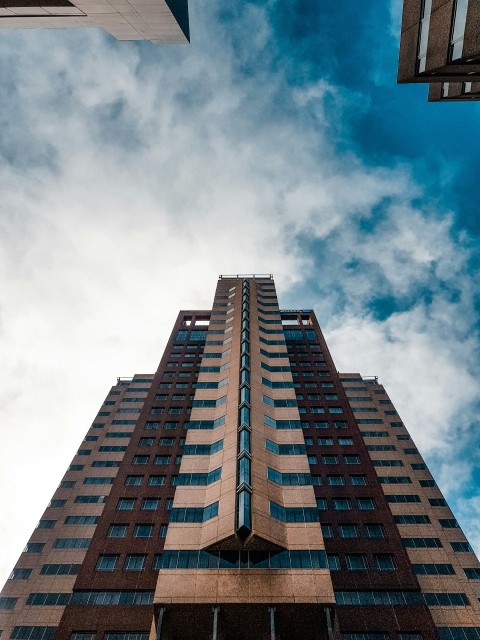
[161, 613]
[271, 611]
[328, 615]
[215, 622]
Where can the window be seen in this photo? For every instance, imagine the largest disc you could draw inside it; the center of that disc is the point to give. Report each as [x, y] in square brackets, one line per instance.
[472, 573]
[366, 504]
[321, 504]
[330, 459]
[133, 481]
[358, 480]
[325, 442]
[411, 519]
[105, 463]
[341, 504]
[33, 633]
[150, 504]
[419, 466]
[356, 562]
[374, 434]
[34, 547]
[125, 504]
[81, 520]
[119, 434]
[449, 523]
[446, 599]
[335, 480]
[46, 524]
[317, 410]
[394, 480]
[374, 530]
[146, 442]
[7, 604]
[140, 459]
[117, 531]
[59, 569]
[20, 574]
[321, 425]
[134, 562]
[327, 530]
[156, 481]
[348, 530]
[143, 531]
[461, 546]
[186, 514]
[57, 503]
[333, 562]
[66, 484]
[335, 410]
[106, 562]
[428, 483]
[438, 502]
[384, 562]
[345, 442]
[351, 459]
[162, 460]
[402, 498]
[421, 543]
[433, 569]
[312, 459]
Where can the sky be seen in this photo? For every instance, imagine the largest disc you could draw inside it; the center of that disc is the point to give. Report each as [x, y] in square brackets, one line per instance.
[277, 142]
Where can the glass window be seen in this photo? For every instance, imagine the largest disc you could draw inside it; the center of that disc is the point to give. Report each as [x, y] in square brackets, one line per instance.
[106, 562]
[374, 530]
[341, 504]
[348, 530]
[134, 562]
[366, 504]
[125, 504]
[143, 531]
[384, 562]
[333, 562]
[150, 504]
[117, 531]
[356, 562]
[358, 480]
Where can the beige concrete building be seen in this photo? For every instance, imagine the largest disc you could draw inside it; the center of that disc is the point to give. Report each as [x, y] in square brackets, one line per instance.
[160, 21]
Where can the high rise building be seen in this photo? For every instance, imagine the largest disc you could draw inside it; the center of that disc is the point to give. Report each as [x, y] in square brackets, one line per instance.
[245, 490]
[160, 21]
[440, 44]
